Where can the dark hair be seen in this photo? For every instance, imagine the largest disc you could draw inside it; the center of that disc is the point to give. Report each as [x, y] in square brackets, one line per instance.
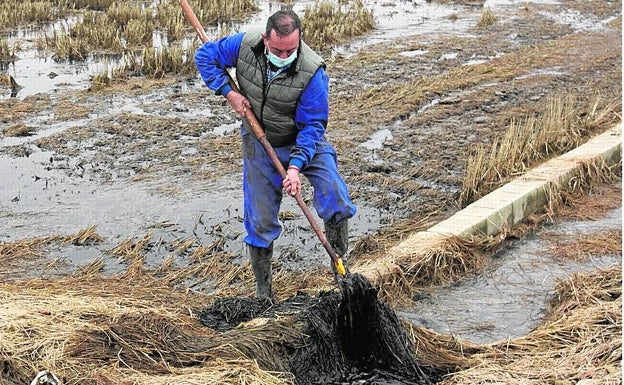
[284, 22]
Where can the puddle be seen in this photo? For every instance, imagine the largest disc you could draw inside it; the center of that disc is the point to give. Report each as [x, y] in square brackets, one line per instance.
[414, 53]
[449, 56]
[541, 72]
[519, 3]
[511, 297]
[577, 21]
[226, 129]
[377, 140]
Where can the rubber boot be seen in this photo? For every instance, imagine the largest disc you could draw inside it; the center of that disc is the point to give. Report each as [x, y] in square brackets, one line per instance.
[338, 237]
[260, 259]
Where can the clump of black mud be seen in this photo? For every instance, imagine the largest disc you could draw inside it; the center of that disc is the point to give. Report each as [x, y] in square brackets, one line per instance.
[353, 338]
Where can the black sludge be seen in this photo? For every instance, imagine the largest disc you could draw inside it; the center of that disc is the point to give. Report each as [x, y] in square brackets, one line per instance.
[355, 339]
[227, 313]
[350, 337]
[371, 334]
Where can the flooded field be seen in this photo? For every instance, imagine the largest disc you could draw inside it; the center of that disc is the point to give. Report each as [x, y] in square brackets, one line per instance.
[121, 205]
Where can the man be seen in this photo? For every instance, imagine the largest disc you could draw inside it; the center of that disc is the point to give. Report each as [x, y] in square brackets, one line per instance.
[283, 82]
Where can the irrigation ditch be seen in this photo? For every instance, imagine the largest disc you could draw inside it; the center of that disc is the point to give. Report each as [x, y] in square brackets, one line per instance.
[121, 260]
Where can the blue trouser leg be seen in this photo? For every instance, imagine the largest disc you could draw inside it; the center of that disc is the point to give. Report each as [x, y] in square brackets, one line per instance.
[262, 187]
[262, 191]
[331, 196]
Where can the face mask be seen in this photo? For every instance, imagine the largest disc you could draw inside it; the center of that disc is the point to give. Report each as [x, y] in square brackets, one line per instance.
[276, 61]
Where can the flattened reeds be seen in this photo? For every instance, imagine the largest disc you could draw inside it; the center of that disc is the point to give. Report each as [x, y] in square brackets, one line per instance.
[32, 247]
[436, 261]
[586, 245]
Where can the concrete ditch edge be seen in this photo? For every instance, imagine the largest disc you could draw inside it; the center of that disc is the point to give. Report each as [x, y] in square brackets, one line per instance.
[504, 207]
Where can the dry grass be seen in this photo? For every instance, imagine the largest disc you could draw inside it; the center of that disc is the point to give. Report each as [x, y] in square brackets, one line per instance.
[137, 326]
[26, 248]
[446, 260]
[7, 53]
[28, 251]
[19, 130]
[487, 19]
[585, 246]
[122, 14]
[120, 330]
[15, 12]
[326, 24]
[593, 204]
[210, 11]
[563, 125]
[95, 5]
[139, 329]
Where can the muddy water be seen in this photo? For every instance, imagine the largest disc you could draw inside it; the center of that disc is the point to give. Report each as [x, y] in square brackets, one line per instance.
[43, 201]
[37, 199]
[510, 298]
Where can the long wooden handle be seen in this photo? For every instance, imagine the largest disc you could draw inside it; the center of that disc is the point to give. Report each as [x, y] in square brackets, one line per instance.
[249, 116]
[259, 132]
[190, 16]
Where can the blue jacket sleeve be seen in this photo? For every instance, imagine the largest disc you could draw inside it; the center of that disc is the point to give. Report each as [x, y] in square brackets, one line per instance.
[311, 118]
[214, 57]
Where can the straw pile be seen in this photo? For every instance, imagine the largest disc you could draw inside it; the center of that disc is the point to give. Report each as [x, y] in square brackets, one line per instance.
[113, 331]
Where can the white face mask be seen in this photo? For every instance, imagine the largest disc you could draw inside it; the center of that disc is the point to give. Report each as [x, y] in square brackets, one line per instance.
[276, 61]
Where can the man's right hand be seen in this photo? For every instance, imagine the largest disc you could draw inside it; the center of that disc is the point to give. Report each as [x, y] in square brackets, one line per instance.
[238, 102]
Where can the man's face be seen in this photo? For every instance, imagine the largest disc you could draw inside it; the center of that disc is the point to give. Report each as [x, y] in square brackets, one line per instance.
[282, 46]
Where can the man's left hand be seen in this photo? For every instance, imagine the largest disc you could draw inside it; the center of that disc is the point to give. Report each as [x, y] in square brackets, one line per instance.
[292, 183]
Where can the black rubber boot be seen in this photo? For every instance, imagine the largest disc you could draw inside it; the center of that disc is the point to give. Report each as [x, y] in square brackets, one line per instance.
[338, 237]
[260, 259]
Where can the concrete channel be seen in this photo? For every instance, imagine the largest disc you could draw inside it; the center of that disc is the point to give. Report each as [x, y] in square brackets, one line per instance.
[504, 207]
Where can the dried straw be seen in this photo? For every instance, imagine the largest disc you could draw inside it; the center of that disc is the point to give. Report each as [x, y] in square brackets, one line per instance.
[585, 246]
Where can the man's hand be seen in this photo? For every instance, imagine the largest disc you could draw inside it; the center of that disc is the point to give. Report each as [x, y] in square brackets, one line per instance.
[292, 183]
[238, 102]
